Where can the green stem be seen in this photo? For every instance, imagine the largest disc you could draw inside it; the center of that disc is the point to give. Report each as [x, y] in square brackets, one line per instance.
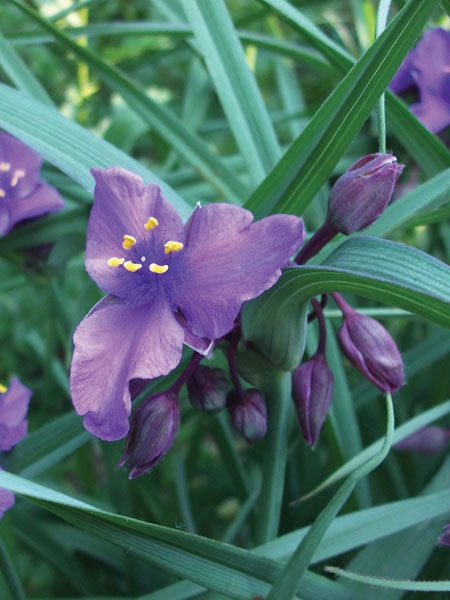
[10, 575]
[288, 581]
[278, 399]
[382, 17]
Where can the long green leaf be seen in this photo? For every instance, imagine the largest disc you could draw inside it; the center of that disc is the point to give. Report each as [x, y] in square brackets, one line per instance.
[235, 85]
[308, 163]
[69, 146]
[185, 141]
[379, 269]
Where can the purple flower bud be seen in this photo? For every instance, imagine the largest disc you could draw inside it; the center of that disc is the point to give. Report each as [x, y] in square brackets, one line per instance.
[248, 413]
[362, 193]
[444, 540]
[153, 429]
[312, 391]
[13, 409]
[207, 388]
[426, 440]
[370, 348]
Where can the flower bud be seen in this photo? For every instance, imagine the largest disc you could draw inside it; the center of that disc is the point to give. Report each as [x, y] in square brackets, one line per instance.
[312, 392]
[248, 413]
[444, 540]
[207, 388]
[425, 440]
[362, 193]
[153, 429]
[13, 409]
[370, 348]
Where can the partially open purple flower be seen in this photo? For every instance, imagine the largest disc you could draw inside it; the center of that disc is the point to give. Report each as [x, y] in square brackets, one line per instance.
[248, 413]
[22, 194]
[207, 388]
[425, 440]
[426, 69]
[312, 392]
[370, 348]
[444, 540]
[153, 429]
[13, 426]
[168, 284]
[362, 193]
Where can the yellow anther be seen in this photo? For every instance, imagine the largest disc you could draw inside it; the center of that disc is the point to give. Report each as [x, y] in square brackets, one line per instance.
[154, 268]
[128, 241]
[18, 174]
[172, 247]
[131, 266]
[3, 388]
[2, 193]
[4, 166]
[151, 223]
[115, 262]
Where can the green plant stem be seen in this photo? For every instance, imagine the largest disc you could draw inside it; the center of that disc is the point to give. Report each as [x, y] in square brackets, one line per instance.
[10, 575]
[382, 16]
[287, 583]
[278, 399]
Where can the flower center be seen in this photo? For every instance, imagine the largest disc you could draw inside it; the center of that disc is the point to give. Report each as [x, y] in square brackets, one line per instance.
[17, 175]
[129, 241]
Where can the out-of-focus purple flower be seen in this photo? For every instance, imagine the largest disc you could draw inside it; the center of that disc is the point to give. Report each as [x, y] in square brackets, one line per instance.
[154, 426]
[370, 348]
[312, 392]
[444, 539]
[426, 440]
[426, 68]
[362, 193]
[168, 284]
[207, 388]
[248, 413]
[22, 194]
[13, 426]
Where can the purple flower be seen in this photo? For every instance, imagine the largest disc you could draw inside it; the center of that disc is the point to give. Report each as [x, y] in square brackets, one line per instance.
[168, 284]
[207, 388]
[22, 194]
[13, 426]
[370, 348]
[444, 540]
[362, 193]
[312, 392]
[154, 426]
[426, 440]
[248, 413]
[426, 68]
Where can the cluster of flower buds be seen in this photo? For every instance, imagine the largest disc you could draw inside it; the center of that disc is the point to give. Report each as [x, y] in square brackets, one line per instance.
[207, 389]
[248, 413]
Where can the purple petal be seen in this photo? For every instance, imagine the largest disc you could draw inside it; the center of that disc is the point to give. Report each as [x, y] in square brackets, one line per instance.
[228, 260]
[115, 343]
[13, 410]
[403, 79]
[122, 206]
[432, 112]
[44, 199]
[19, 156]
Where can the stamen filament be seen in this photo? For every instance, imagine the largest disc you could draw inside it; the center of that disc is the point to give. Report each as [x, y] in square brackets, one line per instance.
[155, 268]
[171, 246]
[18, 174]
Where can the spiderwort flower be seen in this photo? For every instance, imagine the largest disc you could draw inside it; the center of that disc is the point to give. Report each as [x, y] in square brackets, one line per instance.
[425, 440]
[426, 68]
[362, 193]
[22, 194]
[370, 348]
[207, 388]
[13, 426]
[154, 426]
[444, 540]
[167, 284]
[248, 413]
